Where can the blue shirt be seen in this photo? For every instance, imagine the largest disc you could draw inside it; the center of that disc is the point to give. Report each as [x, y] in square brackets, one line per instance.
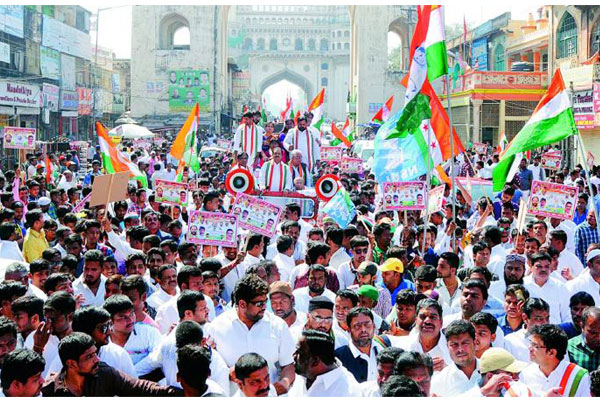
[579, 218]
[526, 178]
[405, 284]
[504, 325]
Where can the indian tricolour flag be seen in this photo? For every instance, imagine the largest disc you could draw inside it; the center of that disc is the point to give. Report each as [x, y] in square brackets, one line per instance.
[345, 136]
[287, 111]
[435, 43]
[384, 112]
[114, 160]
[185, 146]
[551, 121]
[316, 107]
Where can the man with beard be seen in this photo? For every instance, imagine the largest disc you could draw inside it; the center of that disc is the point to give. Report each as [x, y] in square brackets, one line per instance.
[168, 290]
[461, 376]
[248, 139]
[84, 374]
[282, 304]
[21, 374]
[514, 299]
[540, 284]
[318, 373]
[449, 286]
[91, 283]
[8, 338]
[578, 303]
[584, 350]
[514, 271]
[535, 312]
[317, 279]
[307, 142]
[251, 329]
[251, 373]
[320, 318]
[152, 222]
[366, 274]
[360, 355]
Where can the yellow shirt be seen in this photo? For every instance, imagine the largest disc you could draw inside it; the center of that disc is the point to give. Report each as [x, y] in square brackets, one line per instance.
[34, 245]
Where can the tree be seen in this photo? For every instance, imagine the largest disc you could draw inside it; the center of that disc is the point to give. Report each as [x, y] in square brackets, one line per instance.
[395, 59]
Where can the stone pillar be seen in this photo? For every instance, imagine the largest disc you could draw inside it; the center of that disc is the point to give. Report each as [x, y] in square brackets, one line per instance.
[476, 137]
[537, 60]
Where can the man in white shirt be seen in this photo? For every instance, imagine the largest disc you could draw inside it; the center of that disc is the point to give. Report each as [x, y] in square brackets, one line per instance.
[316, 363]
[304, 139]
[535, 312]
[493, 237]
[426, 337]
[567, 226]
[254, 330]
[167, 279]
[248, 139]
[169, 173]
[283, 259]
[589, 280]
[540, 284]
[317, 279]
[537, 170]
[461, 376]
[282, 303]
[91, 282]
[255, 245]
[251, 374]
[551, 368]
[566, 260]
[347, 271]
[334, 237]
[275, 175]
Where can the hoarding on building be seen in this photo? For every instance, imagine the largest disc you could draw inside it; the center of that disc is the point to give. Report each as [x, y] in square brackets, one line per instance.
[50, 63]
[19, 94]
[11, 20]
[50, 97]
[65, 38]
[583, 109]
[69, 100]
[186, 88]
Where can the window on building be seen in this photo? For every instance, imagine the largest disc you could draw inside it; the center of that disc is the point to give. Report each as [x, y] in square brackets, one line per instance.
[299, 45]
[312, 44]
[499, 58]
[273, 44]
[260, 44]
[566, 37]
[174, 33]
[324, 45]
[324, 81]
[595, 39]
[346, 33]
[324, 66]
[346, 46]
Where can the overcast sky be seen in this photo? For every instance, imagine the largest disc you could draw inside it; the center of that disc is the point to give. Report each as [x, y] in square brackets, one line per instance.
[115, 23]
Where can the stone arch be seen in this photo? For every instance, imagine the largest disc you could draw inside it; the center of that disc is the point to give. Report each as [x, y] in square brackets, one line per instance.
[170, 24]
[290, 76]
[398, 28]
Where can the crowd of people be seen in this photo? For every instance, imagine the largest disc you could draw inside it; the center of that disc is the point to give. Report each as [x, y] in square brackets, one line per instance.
[114, 300]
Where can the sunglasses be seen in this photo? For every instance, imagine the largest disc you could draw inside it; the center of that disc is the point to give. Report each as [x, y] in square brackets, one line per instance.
[104, 328]
[258, 303]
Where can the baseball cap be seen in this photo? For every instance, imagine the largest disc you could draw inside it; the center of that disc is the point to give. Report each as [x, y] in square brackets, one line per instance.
[392, 264]
[369, 291]
[280, 287]
[592, 254]
[367, 268]
[496, 358]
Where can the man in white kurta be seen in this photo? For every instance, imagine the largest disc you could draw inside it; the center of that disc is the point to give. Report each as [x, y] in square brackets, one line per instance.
[306, 141]
[248, 139]
[275, 175]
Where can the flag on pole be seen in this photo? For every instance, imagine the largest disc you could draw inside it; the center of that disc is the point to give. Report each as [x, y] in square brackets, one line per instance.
[316, 107]
[435, 42]
[287, 111]
[502, 142]
[344, 136]
[185, 146]
[340, 208]
[296, 118]
[551, 121]
[114, 160]
[48, 170]
[384, 112]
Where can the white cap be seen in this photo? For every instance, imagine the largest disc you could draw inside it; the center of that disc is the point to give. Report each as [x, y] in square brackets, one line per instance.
[592, 254]
[43, 201]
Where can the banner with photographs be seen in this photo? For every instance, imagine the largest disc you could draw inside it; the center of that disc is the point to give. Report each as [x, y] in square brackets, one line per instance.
[256, 215]
[552, 160]
[19, 138]
[212, 228]
[435, 200]
[404, 195]
[480, 148]
[186, 88]
[351, 165]
[331, 154]
[173, 193]
[552, 200]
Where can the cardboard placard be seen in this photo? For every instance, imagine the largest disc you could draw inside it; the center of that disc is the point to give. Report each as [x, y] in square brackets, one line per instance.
[552, 160]
[172, 193]
[330, 154]
[435, 199]
[352, 165]
[404, 195]
[480, 148]
[109, 188]
[256, 215]
[212, 228]
[19, 138]
[552, 200]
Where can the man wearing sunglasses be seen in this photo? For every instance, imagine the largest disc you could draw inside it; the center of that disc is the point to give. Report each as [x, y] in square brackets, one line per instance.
[359, 245]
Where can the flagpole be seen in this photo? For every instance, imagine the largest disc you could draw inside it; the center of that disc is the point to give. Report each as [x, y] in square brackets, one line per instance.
[452, 159]
[428, 180]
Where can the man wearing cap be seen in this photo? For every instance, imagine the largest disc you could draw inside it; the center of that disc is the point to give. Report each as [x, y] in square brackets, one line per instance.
[248, 139]
[94, 172]
[589, 280]
[320, 318]
[282, 304]
[514, 271]
[392, 272]
[368, 297]
[317, 279]
[67, 181]
[44, 204]
[366, 274]
[500, 373]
